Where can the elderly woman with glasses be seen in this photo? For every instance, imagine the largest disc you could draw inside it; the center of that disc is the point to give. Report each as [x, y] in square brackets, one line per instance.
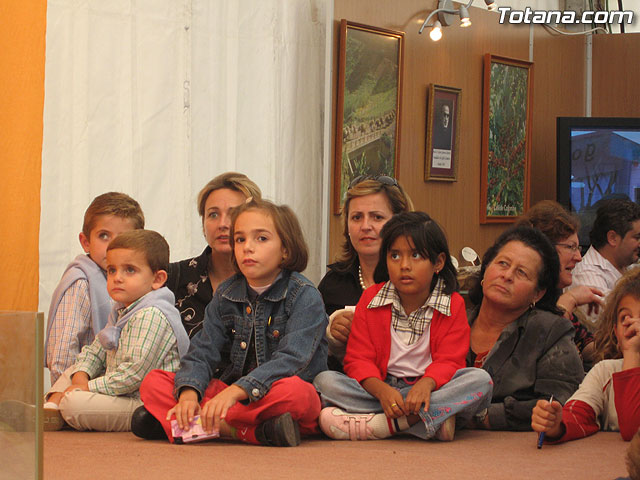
[370, 202]
[561, 228]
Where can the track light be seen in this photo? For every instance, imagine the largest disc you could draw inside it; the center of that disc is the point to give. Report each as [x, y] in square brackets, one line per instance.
[436, 31]
[445, 14]
[464, 17]
[491, 5]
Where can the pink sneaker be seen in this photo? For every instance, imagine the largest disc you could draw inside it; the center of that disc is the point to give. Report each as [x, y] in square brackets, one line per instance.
[341, 425]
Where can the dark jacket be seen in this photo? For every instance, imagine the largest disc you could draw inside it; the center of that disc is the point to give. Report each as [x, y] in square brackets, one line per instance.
[534, 358]
[189, 282]
[340, 288]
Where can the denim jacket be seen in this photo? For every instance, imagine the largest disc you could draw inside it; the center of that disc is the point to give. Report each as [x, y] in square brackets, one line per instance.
[289, 323]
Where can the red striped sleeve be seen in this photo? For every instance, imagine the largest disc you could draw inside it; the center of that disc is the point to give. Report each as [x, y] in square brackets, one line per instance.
[579, 421]
[626, 387]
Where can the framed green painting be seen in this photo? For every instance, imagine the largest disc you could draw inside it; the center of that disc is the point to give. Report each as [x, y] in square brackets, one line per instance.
[506, 139]
[367, 136]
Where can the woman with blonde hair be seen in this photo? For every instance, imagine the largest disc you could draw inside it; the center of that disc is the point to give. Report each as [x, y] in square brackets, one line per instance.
[194, 280]
[369, 203]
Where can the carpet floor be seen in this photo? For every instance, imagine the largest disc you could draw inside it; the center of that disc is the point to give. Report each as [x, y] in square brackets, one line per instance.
[74, 455]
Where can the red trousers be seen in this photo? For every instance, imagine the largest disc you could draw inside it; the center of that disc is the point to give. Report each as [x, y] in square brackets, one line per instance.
[291, 394]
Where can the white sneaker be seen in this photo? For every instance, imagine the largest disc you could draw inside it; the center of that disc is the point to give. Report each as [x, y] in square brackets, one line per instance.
[52, 419]
[341, 425]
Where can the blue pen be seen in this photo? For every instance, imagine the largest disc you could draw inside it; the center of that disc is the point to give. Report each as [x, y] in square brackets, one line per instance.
[541, 434]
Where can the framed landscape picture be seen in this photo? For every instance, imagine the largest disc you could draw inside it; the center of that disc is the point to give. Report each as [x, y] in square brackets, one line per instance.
[367, 138]
[443, 133]
[506, 138]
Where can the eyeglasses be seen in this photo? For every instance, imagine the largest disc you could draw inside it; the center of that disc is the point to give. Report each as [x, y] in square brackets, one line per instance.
[569, 246]
[383, 179]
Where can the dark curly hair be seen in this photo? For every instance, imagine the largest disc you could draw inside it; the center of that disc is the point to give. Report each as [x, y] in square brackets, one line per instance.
[428, 239]
[616, 214]
[549, 271]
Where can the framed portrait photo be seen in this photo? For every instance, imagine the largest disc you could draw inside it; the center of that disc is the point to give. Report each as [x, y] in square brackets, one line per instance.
[443, 133]
[506, 139]
[367, 137]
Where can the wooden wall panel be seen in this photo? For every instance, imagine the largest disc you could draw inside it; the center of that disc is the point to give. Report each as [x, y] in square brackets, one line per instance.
[457, 61]
[616, 75]
[558, 91]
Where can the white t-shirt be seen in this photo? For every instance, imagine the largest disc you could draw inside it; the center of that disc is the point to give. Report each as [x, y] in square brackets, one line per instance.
[409, 360]
[596, 390]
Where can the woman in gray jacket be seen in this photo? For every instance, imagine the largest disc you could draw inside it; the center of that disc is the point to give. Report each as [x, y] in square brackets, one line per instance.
[517, 334]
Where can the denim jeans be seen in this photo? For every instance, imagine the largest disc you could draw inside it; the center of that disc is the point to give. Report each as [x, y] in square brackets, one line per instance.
[466, 394]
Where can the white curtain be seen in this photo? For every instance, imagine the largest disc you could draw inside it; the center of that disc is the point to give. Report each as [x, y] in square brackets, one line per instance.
[155, 97]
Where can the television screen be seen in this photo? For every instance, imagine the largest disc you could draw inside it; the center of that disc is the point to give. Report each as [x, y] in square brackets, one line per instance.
[598, 158]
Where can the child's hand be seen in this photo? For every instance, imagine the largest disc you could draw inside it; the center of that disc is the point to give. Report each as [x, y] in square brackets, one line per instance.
[419, 394]
[547, 417]
[341, 326]
[79, 381]
[392, 402]
[216, 409]
[632, 334]
[390, 399]
[72, 388]
[186, 408]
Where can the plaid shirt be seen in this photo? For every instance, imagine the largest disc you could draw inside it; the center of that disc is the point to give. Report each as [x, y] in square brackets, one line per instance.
[72, 329]
[410, 328]
[146, 342]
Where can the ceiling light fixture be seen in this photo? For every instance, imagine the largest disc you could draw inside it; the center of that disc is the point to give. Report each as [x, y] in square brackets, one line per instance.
[465, 21]
[491, 5]
[445, 14]
[436, 31]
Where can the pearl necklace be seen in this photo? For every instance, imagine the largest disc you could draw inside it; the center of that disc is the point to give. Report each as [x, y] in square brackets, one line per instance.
[364, 287]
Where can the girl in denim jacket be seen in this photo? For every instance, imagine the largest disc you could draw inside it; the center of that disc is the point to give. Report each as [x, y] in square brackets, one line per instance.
[247, 372]
[406, 352]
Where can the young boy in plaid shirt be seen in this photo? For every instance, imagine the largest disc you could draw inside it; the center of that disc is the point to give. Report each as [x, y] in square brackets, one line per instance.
[80, 304]
[144, 332]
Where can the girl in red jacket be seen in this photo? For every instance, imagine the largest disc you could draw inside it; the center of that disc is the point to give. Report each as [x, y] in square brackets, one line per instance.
[406, 351]
[609, 396]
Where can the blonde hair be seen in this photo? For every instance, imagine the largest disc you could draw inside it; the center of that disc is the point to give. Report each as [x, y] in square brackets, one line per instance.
[148, 242]
[398, 200]
[112, 203]
[233, 181]
[605, 339]
[287, 227]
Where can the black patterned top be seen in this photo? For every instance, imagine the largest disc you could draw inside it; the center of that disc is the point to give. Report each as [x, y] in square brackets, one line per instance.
[189, 282]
